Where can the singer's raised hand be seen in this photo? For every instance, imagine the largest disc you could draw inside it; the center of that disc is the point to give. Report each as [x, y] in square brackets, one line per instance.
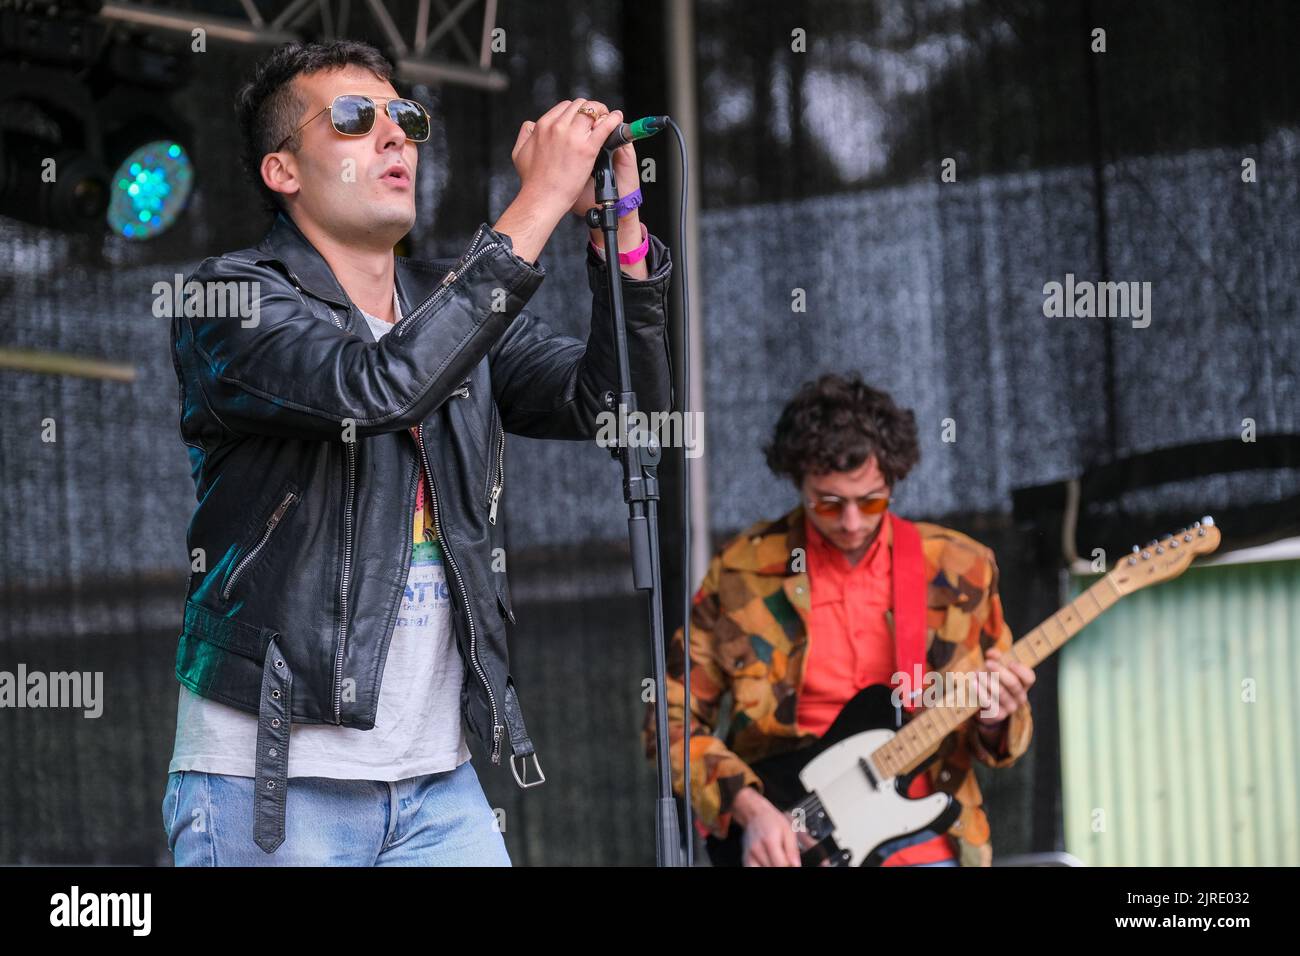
[626, 175]
[555, 154]
[554, 157]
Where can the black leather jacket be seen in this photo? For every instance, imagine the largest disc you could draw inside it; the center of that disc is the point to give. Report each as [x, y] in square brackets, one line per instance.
[298, 424]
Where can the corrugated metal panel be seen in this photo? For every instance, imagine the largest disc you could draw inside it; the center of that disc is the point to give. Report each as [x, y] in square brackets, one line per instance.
[1179, 723]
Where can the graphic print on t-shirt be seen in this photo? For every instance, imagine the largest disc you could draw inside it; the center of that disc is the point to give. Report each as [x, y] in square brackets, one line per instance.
[426, 587]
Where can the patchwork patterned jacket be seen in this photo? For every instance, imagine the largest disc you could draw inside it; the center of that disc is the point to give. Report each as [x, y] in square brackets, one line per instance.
[749, 637]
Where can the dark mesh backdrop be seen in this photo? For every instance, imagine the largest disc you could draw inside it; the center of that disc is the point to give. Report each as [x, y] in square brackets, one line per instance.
[821, 173]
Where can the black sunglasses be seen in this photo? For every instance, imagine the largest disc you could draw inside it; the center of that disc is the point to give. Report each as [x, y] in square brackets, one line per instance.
[353, 114]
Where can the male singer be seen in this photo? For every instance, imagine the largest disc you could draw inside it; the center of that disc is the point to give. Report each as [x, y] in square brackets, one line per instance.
[345, 441]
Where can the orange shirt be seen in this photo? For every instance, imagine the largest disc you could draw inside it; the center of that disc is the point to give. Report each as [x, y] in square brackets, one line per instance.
[850, 648]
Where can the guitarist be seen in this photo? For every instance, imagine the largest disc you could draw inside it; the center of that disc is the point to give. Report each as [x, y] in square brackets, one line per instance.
[794, 616]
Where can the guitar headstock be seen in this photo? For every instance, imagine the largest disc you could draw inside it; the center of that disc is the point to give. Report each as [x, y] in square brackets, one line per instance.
[1165, 559]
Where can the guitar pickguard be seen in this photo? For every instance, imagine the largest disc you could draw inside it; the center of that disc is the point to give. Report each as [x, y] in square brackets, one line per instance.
[866, 812]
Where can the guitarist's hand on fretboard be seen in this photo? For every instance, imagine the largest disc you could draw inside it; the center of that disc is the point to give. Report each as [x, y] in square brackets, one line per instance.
[1010, 691]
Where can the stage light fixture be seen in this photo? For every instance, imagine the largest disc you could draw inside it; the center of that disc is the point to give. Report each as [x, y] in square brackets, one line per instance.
[56, 183]
[78, 100]
[150, 189]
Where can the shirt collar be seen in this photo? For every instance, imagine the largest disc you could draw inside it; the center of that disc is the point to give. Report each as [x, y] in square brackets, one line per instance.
[827, 551]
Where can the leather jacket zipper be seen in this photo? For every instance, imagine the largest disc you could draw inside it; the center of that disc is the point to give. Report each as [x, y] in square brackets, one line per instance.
[271, 522]
[499, 476]
[351, 452]
[473, 652]
[400, 329]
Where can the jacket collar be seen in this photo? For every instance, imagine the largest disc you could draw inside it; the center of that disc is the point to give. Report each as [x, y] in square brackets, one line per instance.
[769, 547]
[777, 548]
[308, 268]
[780, 548]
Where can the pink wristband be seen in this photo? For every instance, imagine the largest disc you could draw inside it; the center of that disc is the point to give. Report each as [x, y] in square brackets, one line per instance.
[633, 257]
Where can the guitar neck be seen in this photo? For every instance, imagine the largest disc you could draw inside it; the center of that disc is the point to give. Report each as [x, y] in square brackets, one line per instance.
[921, 736]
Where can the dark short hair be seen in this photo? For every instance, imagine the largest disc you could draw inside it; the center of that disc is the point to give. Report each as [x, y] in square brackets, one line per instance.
[268, 108]
[836, 424]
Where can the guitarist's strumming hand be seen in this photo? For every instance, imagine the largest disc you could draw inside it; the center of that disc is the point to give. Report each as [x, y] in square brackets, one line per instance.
[1010, 692]
[769, 838]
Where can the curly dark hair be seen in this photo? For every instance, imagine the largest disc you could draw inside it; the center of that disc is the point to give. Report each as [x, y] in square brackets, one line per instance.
[267, 107]
[835, 424]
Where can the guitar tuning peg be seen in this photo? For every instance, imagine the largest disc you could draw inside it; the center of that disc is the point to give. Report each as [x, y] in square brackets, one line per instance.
[1207, 521]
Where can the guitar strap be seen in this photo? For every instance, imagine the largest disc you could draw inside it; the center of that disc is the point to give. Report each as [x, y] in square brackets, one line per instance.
[909, 603]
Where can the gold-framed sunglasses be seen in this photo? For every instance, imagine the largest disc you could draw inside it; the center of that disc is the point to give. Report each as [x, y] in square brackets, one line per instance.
[829, 506]
[353, 114]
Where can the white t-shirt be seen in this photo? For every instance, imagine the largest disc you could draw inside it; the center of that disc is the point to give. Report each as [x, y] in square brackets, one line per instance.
[418, 727]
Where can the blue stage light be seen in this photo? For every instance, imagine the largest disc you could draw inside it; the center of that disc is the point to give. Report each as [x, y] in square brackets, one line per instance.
[150, 189]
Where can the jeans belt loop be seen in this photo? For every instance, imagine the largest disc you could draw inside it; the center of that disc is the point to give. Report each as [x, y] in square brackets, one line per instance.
[271, 777]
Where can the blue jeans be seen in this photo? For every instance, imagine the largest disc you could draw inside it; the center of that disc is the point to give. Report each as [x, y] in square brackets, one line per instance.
[939, 863]
[437, 819]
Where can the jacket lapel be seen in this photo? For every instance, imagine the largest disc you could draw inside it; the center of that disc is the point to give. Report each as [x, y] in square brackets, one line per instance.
[798, 590]
[286, 242]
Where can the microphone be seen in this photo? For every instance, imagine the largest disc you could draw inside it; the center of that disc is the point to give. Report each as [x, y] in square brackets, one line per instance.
[625, 133]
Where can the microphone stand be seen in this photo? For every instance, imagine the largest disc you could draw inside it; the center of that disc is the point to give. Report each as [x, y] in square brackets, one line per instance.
[640, 460]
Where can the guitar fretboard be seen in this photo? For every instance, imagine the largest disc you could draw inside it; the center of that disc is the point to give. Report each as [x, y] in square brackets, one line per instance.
[921, 736]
